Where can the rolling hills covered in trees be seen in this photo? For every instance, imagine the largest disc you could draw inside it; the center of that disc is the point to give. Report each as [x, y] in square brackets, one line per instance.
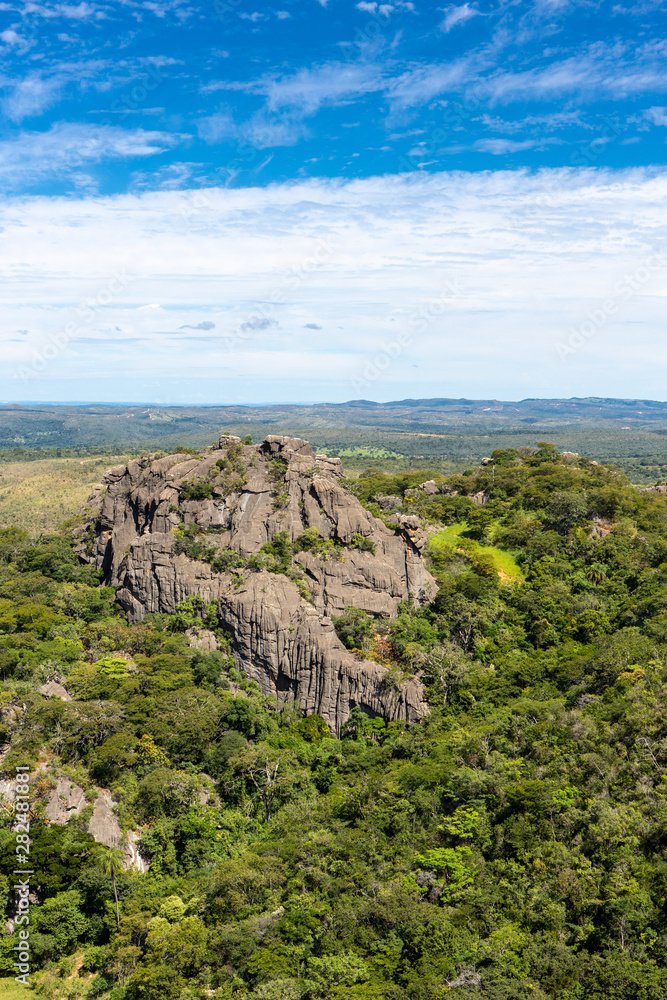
[452, 433]
[508, 845]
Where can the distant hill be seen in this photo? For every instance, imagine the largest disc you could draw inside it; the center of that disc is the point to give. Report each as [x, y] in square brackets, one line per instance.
[446, 433]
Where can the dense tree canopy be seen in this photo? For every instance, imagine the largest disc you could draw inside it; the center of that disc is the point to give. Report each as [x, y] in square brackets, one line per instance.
[508, 846]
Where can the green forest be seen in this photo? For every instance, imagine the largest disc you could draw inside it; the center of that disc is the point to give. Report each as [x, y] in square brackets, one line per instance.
[447, 434]
[509, 845]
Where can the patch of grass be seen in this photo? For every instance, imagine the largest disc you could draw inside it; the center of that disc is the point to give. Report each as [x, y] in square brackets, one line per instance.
[449, 538]
[9, 990]
[40, 495]
[366, 451]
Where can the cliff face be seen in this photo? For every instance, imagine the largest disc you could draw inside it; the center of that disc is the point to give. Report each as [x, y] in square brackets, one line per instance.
[282, 630]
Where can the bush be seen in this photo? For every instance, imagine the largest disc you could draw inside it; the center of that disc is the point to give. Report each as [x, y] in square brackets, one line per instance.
[354, 628]
[196, 490]
[360, 542]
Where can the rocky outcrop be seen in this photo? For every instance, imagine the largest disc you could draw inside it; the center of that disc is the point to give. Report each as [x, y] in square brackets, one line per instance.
[65, 800]
[54, 690]
[237, 498]
[293, 652]
[389, 502]
[429, 488]
[104, 826]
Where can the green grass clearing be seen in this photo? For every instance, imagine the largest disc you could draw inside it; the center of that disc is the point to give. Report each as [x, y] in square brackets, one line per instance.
[10, 990]
[448, 539]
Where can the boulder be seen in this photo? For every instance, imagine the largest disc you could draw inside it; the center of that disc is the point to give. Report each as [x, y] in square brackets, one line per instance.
[389, 502]
[54, 690]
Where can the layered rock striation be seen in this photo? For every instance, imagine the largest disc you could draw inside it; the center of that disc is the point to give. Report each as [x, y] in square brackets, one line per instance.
[237, 498]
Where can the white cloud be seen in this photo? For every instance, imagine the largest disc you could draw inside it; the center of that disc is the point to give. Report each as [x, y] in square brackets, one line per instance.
[500, 147]
[658, 116]
[457, 15]
[13, 40]
[329, 83]
[530, 254]
[31, 96]
[262, 131]
[78, 12]
[65, 147]
[82, 11]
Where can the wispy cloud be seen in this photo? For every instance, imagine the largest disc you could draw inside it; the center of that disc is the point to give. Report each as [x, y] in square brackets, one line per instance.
[73, 12]
[67, 147]
[530, 252]
[32, 96]
[258, 323]
[657, 116]
[500, 147]
[262, 131]
[457, 15]
[330, 83]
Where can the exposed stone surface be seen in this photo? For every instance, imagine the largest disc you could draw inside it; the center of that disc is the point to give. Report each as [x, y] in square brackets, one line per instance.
[292, 651]
[430, 488]
[54, 690]
[66, 800]
[389, 502]
[104, 826]
[287, 643]
[202, 638]
[132, 857]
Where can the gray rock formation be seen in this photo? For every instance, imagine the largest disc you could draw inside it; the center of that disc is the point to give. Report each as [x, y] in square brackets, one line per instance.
[132, 857]
[480, 499]
[54, 690]
[389, 502]
[103, 825]
[204, 639]
[66, 800]
[245, 495]
[429, 488]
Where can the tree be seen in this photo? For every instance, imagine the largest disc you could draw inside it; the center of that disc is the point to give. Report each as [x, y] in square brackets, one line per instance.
[274, 774]
[111, 864]
[354, 628]
[564, 510]
[479, 522]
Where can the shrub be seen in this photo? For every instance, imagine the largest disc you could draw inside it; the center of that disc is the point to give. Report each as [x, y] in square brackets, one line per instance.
[197, 490]
[360, 542]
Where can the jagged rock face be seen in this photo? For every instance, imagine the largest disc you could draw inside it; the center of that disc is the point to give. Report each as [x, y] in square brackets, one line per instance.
[287, 643]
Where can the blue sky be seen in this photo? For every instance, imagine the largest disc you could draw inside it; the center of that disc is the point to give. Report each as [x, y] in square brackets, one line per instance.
[322, 199]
